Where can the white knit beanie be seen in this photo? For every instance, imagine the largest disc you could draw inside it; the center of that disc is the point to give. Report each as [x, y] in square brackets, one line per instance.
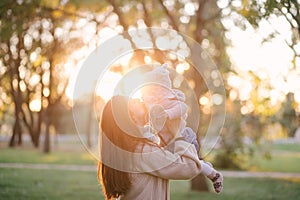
[159, 76]
[160, 99]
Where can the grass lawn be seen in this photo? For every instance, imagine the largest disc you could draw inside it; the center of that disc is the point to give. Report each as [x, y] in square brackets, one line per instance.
[29, 155]
[284, 158]
[242, 188]
[280, 162]
[53, 184]
[286, 147]
[48, 184]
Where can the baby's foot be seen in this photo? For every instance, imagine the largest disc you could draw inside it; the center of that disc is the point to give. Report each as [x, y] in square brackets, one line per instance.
[208, 164]
[217, 179]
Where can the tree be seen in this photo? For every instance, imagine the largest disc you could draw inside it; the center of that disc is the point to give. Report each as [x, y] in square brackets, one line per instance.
[255, 11]
[33, 55]
[201, 22]
[13, 57]
[287, 115]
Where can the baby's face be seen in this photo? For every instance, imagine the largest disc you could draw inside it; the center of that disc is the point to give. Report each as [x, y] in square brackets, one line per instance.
[138, 112]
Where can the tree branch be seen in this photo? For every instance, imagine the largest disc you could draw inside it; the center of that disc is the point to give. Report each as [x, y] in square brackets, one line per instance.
[287, 19]
[213, 17]
[93, 19]
[172, 20]
[58, 99]
[158, 54]
[296, 17]
[123, 23]
[199, 21]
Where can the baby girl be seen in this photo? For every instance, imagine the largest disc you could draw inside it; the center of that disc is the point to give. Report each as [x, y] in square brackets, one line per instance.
[167, 112]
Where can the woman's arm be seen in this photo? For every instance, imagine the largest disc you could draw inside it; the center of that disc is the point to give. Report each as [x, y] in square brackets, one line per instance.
[182, 164]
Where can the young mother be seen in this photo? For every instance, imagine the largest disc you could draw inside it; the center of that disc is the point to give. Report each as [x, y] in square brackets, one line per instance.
[132, 166]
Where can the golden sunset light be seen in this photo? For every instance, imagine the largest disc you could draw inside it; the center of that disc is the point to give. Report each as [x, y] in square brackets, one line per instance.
[199, 99]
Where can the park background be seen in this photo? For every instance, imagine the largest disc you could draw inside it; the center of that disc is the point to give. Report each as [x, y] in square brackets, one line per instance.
[254, 44]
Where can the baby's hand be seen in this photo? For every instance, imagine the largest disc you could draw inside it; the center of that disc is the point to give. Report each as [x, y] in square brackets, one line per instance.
[158, 117]
[190, 136]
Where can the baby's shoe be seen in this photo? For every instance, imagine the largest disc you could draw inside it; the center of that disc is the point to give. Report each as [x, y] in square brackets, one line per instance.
[217, 179]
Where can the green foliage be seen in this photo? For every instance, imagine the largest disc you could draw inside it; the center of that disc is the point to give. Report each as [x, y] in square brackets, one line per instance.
[227, 160]
[231, 139]
[287, 115]
[88, 5]
[270, 6]
[251, 11]
[13, 16]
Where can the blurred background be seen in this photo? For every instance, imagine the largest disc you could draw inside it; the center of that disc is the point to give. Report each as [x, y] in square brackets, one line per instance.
[254, 43]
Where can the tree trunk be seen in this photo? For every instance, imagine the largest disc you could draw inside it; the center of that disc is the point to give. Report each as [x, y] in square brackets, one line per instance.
[16, 129]
[38, 130]
[47, 133]
[12, 138]
[89, 122]
[199, 183]
[20, 141]
[40, 114]
[46, 118]
[17, 98]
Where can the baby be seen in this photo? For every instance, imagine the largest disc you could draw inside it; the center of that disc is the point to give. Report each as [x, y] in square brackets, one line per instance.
[167, 110]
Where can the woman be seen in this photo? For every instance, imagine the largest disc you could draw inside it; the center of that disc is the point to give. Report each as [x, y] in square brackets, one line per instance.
[134, 167]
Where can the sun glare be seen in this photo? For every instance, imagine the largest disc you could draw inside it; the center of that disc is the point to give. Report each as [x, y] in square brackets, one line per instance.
[35, 105]
[270, 61]
[106, 87]
[137, 95]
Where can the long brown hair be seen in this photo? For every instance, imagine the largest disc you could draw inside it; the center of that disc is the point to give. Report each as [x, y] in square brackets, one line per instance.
[115, 182]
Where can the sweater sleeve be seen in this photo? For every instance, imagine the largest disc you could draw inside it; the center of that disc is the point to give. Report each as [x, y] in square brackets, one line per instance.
[182, 164]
